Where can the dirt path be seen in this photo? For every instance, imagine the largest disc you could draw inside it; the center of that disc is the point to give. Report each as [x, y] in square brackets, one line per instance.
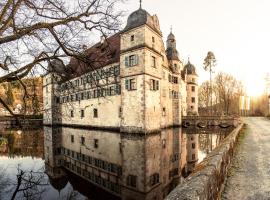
[249, 176]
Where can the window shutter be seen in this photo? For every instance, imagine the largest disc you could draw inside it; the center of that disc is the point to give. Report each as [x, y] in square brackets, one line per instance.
[126, 61]
[127, 84]
[136, 59]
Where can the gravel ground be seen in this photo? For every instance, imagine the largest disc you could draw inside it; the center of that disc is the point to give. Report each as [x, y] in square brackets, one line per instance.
[249, 176]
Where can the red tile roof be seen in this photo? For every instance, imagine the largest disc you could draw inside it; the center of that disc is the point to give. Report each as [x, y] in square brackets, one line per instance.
[98, 56]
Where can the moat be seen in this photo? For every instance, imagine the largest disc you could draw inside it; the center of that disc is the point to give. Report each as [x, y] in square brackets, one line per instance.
[66, 163]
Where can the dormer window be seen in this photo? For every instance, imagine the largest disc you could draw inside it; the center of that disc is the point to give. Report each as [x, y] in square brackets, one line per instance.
[132, 38]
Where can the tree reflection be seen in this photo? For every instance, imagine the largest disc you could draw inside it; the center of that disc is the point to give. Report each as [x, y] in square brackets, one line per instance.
[28, 185]
[4, 180]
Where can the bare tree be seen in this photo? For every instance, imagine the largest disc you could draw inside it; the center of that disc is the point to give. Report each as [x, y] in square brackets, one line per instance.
[204, 96]
[35, 32]
[228, 89]
[226, 93]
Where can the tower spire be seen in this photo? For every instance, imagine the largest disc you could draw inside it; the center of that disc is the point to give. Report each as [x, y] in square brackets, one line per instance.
[140, 4]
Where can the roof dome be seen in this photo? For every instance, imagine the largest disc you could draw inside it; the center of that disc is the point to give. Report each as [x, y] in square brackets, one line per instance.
[171, 51]
[141, 17]
[190, 69]
[171, 36]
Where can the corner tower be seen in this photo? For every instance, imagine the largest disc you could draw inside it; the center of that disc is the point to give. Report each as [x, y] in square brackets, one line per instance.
[192, 89]
[140, 68]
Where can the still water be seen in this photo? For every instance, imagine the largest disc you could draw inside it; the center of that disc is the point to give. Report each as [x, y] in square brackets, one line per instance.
[65, 163]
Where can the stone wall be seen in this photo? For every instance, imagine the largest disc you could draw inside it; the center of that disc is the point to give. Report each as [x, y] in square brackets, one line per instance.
[208, 177]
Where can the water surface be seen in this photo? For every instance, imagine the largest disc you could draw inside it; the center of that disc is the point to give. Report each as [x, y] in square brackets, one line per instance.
[66, 163]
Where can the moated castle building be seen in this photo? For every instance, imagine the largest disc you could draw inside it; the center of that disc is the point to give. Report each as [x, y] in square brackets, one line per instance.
[133, 85]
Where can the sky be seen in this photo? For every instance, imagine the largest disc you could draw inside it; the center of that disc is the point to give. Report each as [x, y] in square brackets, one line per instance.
[236, 31]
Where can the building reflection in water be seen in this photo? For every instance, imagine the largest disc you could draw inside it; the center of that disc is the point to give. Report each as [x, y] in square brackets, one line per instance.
[129, 166]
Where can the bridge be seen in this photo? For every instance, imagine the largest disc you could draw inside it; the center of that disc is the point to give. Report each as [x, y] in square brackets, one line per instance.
[204, 121]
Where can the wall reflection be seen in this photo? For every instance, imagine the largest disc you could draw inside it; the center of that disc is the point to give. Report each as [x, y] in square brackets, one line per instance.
[127, 166]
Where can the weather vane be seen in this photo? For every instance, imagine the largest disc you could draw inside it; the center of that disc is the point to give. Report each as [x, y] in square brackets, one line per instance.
[171, 28]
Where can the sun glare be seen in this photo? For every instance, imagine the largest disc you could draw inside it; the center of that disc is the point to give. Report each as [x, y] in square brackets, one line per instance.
[255, 88]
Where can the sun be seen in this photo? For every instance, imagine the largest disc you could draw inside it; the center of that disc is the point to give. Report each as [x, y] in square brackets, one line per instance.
[255, 87]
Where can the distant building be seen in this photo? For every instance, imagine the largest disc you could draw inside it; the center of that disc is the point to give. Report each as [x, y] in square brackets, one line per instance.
[136, 86]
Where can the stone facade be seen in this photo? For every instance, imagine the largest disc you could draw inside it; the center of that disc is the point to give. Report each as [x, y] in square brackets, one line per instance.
[144, 89]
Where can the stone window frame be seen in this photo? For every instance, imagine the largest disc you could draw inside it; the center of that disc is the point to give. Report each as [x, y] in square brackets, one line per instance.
[153, 61]
[131, 60]
[132, 181]
[72, 138]
[95, 113]
[131, 84]
[164, 111]
[95, 143]
[154, 85]
[72, 113]
[153, 39]
[82, 140]
[154, 179]
[132, 38]
[82, 113]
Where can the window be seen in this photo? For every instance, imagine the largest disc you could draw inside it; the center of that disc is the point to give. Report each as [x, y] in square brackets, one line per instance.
[131, 84]
[131, 60]
[175, 67]
[95, 113]
[132, 180]
[193, 156]
[132, 38]
[193, 88]
[153, 39]
[175, 80]
[163, 111]
[193, 145]
[163, 143]
[82, 140]
[96, 143]
[193, 99]
[120, 147]
[120, 111]
[82, 113]
[154, 179]
[72, 138]
[154, 84]
[71, 113]
[154, 61]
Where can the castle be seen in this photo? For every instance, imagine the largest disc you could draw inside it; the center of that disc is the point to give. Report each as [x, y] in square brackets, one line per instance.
[133, 85]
